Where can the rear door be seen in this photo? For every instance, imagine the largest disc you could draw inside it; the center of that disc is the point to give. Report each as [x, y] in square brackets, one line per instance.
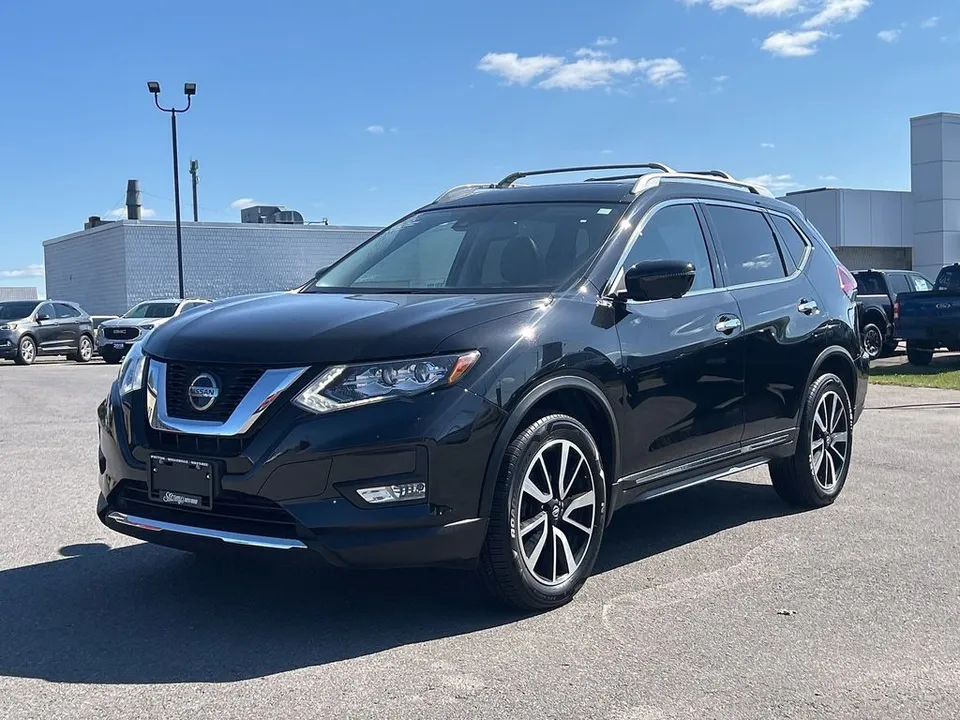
[683, 357]
[780, 310]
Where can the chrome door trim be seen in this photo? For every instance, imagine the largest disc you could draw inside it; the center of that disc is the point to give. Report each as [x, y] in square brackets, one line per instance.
[264, 392]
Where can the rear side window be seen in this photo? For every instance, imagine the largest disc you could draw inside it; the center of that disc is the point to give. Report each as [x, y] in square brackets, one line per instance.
[749, 247]
[674, 233]
[793, 242]
[65, 311]
[870, 283]
[898, 283]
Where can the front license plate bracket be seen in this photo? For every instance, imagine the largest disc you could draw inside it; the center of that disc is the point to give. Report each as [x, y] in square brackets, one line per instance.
[182, 482]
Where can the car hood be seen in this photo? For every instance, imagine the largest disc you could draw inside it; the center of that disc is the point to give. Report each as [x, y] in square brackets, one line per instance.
[307, 328]
[133, 322]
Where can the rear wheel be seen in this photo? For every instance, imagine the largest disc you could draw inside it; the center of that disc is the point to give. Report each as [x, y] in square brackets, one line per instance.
[26, 351]
[548, 515]
[918, 356]
[816, 473]
[84, 349]
[872, 340]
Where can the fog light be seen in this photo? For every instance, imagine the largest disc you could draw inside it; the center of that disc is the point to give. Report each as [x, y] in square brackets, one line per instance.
[394, 493]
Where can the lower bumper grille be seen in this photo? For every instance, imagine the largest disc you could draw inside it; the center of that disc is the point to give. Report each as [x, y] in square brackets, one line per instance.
[232, 512]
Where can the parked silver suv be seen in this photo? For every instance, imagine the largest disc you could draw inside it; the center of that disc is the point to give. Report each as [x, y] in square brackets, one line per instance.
[114, 337]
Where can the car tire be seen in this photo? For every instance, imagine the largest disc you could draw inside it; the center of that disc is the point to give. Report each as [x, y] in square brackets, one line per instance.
[84, 349]
[811, 478]
[26, 351]
[918, 356]
[872, 339]
[544, 524]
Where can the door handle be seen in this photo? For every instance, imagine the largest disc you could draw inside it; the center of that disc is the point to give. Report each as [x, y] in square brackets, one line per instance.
[727, 324]
[808, 307]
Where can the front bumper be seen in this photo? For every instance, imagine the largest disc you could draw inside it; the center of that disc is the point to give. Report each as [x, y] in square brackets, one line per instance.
[291, 484]
[9, 342]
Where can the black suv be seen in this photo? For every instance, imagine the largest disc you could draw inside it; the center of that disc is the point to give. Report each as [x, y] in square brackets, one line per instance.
[30, 328]
[485, 382]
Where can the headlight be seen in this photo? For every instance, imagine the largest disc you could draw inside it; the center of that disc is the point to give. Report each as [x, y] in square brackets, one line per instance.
[8, 326]
[131, 371]
[346, 386]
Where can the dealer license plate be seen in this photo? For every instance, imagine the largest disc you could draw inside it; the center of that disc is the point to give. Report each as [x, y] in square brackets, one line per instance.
[182, 482]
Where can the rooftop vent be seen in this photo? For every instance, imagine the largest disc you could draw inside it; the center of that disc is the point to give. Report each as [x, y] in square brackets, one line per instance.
[270, 215]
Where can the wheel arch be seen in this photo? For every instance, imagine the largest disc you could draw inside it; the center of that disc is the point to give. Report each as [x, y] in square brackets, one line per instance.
[877, 317]
[571, 394]
[837, 360]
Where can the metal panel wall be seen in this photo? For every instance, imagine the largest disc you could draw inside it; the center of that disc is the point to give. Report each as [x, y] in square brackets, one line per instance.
[88, 268]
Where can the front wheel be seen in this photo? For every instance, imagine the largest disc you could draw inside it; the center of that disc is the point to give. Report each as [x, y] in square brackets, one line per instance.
[84, 349]
[549, 511]
[816, 473]
[918, 356]
[26, 351]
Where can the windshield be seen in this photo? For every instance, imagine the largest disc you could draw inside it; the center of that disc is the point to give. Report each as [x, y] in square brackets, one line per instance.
[17, 310]
[488, 248]
[152, 310]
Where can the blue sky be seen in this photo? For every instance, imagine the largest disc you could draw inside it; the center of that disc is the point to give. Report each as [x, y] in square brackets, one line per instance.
[359, 111]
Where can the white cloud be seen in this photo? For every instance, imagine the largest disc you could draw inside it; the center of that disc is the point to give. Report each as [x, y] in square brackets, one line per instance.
[930, 22]
[121, 213]
[762, 8]
[768, 146]
[721, 78]
[606, 152]
[603, 41]
[794, 44]
[774, 183]
[520, 70]
[375, 129]
[828, 178]
[837, 11]
[889, 36]
[592, 69]
[30, 271]
[241, 203]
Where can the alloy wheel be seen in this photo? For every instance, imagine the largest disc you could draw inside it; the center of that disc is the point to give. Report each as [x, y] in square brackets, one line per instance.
[556, 512]
[872, 341]
[28, 350]
[829, 441]
[86, 349]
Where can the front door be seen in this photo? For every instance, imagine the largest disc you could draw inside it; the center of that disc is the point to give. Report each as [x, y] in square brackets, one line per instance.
[47, 331]
[683, 358]
[760, 253]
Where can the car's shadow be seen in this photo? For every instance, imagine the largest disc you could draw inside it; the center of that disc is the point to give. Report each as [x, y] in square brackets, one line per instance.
[143, 614]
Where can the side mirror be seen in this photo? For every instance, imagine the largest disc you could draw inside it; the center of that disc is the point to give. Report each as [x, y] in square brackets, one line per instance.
[42, 316]
[320, 272]
[659, 279]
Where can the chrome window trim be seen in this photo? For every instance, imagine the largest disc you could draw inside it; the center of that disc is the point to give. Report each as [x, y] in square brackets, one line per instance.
[612, 280]
[261, 396]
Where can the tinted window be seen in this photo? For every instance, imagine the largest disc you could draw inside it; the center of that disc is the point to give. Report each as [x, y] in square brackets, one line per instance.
[920, 283]
[749, 247]
[16, 310]
[674, 233]
[65, 311]
[948, 279]
[46, 309]
[898, 283]
[792, 240]
[152, 310]
[488, 247]
[870, 283]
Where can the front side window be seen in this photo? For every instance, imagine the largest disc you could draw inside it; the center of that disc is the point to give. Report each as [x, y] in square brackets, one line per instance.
[152, 310]
[46, 309]
[674, 233]
[486, 248]
[16, 309]
[920, 283]
[749, 248]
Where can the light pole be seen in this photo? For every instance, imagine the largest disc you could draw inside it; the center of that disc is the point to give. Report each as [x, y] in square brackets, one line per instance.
[189, 89]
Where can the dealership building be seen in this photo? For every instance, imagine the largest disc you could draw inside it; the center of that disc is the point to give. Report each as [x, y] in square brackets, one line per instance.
[110, 266]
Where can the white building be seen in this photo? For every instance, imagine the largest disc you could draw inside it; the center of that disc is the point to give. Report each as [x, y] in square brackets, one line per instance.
[109, 267]
[917, 229]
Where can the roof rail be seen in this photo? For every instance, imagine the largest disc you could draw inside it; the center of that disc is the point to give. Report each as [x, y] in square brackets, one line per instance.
[652, 180]
[463, 190]
[513, 177]
[716, 173]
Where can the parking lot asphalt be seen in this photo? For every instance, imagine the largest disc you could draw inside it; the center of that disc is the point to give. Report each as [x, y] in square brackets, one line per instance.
[713, 603]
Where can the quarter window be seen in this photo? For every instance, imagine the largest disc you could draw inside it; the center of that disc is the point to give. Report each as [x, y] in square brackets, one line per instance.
[749, 248]
[674, 233]
[793, 242]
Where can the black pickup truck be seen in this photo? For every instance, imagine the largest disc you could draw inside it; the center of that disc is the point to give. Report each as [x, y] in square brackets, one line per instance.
[930, 320]
[877, 290]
